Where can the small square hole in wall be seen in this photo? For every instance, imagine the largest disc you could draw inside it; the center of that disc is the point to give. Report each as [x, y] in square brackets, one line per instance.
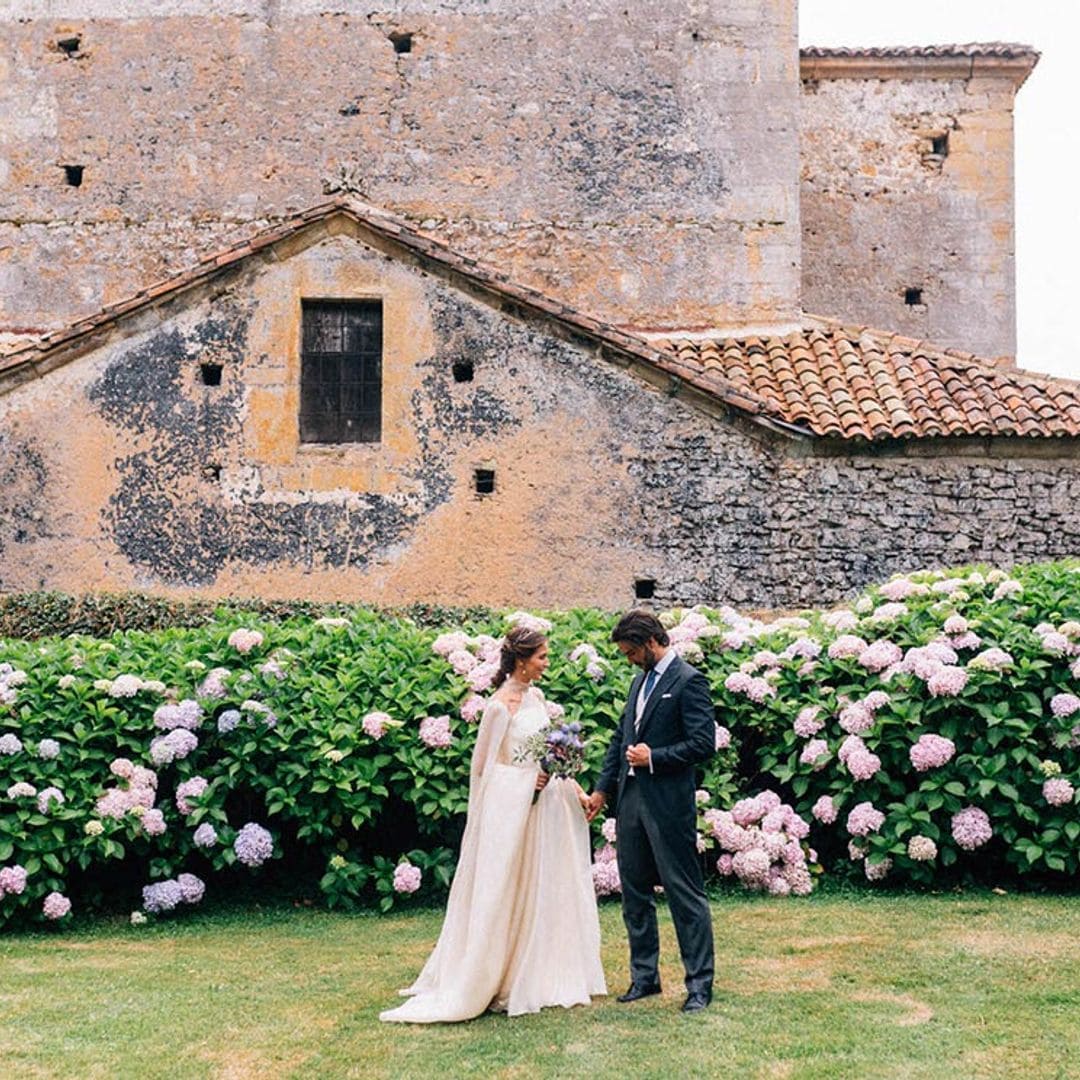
[463, 371]
[913, 297]
[69, 45]
[484, 481]
[644, 588]
[211, 472]
[401, 41]
[210, 374]
[939, 145]
[73, 175]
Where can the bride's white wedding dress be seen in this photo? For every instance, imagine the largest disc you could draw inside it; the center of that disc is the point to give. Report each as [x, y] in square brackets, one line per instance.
[521, 930]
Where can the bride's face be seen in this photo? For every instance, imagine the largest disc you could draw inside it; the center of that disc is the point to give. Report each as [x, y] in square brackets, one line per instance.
[537, 664]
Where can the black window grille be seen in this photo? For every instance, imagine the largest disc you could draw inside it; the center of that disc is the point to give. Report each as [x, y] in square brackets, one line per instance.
[341, 372]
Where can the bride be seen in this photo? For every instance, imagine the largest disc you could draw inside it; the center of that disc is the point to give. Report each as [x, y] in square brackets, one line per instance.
[521, 930]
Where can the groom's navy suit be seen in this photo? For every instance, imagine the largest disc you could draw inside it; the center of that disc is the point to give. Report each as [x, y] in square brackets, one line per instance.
[656, 820]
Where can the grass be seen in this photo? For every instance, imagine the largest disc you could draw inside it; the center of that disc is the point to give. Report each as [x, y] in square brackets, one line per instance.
[840, 985]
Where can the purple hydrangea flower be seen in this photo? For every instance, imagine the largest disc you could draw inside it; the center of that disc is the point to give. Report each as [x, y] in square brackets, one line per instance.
[191, 888]
[228, 720]
[931, 752]
[253, 845]
[406, 878]
[12, 880]
[192, 789]
[1064, 704]
[864, 819]
[824, 810]
[971, 828]
[205, 836]
[48, 749]
[1058, 791]
[162, 896]
[435, 731]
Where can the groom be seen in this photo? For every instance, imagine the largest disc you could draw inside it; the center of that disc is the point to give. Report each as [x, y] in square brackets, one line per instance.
[667, 728]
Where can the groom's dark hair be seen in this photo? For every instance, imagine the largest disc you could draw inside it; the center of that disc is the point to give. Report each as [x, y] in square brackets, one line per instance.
[637, 627]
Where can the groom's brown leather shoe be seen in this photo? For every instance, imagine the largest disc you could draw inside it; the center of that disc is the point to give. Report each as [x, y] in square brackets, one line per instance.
[696, 1001]
[636, 993]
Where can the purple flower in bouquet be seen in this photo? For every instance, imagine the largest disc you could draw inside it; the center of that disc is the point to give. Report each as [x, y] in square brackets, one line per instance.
[558, 749]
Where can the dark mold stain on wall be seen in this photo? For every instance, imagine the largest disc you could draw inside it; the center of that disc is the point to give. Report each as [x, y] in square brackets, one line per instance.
[24, 479]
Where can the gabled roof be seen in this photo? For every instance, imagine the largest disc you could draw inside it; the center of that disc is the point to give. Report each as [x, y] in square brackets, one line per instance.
[858, 383]
[823, 380]
[58, 347]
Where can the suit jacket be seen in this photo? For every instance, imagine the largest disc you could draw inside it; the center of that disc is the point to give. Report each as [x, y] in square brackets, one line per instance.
[679, 727]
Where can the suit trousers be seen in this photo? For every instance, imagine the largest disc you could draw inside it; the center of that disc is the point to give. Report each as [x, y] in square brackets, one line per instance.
[647, 857]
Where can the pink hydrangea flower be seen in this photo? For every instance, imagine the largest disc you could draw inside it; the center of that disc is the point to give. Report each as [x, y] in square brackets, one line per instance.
[12, 880]
[56, 906]
[855, 851]
[406, 878]
[956, 624]
[851, 745]
[605, 875]
[808, 722]
[931, 752]
[877, 871]
[723, 737]
[1064, 704]
[738, 682]
[863, 766]
[435, 731]
[153, 822]
[751, 865]
[607, 830]
[243, 641]
[554, 710]
[374, 724]
[824, 810]
[462, 661]
[815, 753]
[864, 819]
[841, 620]
[993, 659]
[921, 849]
[189, 789]
[1057, 791]
[1056, 644]
[971, 828]
[846, 646]
[856, 718]
[474, 706]
[947, 681]
[901, 589]
[445, 644]
[482, 676]
[724, 865]
[748, 811]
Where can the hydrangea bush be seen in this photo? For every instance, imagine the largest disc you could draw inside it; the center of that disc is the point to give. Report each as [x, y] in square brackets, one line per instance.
[928, 731]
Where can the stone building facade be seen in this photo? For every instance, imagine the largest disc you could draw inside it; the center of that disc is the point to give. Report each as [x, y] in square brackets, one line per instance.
[529, 453]
[568, 259]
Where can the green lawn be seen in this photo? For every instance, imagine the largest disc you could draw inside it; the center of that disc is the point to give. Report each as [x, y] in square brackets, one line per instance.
[973, 985]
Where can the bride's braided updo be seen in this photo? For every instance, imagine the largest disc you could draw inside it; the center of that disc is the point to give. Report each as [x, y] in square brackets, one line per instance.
[518, 645]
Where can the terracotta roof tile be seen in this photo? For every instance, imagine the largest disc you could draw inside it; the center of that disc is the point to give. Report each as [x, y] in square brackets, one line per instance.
[856, 383]
[989, 48]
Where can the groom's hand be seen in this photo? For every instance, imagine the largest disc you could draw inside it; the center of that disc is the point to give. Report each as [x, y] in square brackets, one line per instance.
[594, 804]
[639, 755]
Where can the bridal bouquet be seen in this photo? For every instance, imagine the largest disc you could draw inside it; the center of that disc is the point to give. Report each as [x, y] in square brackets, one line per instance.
[558, 749]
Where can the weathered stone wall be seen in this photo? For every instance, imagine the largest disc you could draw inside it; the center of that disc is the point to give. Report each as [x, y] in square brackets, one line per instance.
[611, 154]
[121, 470]
[883, 214]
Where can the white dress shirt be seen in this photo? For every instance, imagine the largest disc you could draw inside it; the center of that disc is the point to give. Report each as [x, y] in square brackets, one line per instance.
[661, 666]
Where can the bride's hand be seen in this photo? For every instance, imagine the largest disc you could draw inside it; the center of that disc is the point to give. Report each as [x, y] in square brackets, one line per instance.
[541, 781]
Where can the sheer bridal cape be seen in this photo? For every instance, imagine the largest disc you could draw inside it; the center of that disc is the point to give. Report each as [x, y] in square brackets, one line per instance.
[521, 928]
